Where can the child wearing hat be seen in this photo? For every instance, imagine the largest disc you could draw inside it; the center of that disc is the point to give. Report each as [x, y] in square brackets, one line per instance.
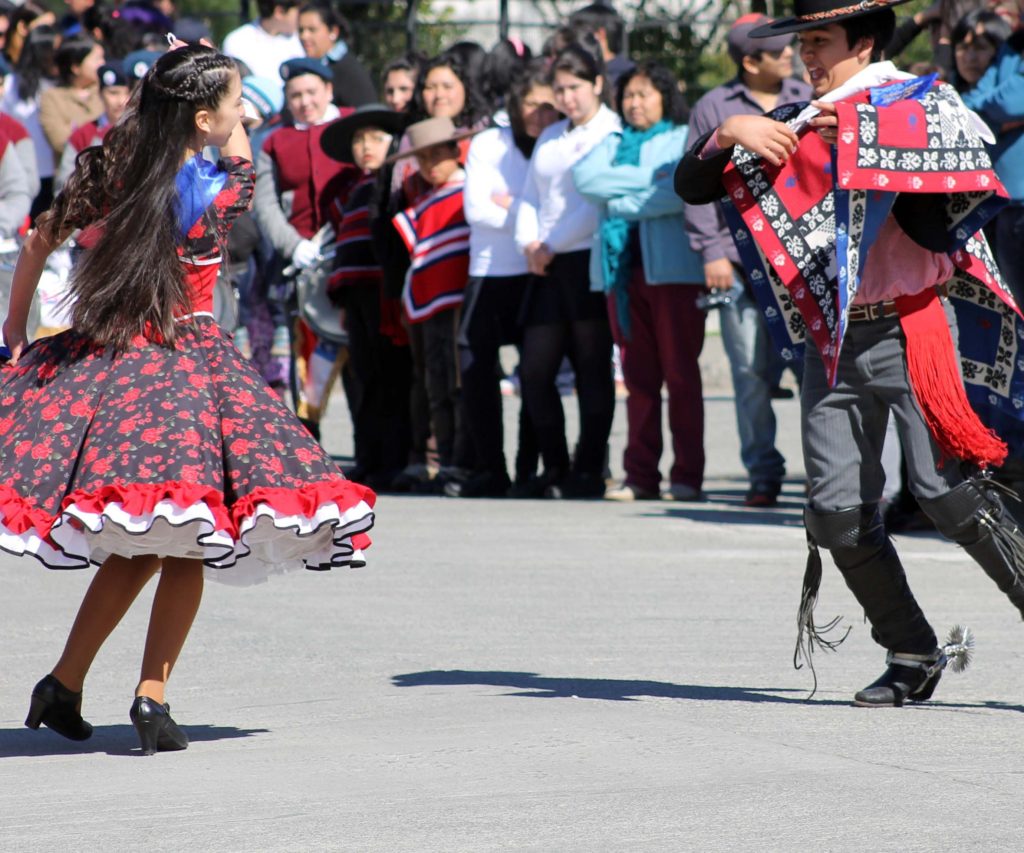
[114, 93]
[856, 217]
[436, 234]
[378, 345]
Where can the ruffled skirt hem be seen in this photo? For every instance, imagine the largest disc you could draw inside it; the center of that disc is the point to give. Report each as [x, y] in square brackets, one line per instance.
[319, 526]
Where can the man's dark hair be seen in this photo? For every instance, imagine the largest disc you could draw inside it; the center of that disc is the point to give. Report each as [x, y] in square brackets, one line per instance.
[266, 7]
[599, 16]
[876, 25]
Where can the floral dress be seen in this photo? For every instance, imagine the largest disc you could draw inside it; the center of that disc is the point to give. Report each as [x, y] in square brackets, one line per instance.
[182, 452]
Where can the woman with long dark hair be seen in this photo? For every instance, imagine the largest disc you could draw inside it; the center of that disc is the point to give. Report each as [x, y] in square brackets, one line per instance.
[142, 431]
[33, 75]
[496, 170]
[652, 278]
[75, 100]
[554, 229]
[975, 41]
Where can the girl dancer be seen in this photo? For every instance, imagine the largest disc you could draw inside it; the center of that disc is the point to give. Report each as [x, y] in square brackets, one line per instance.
[140, 440]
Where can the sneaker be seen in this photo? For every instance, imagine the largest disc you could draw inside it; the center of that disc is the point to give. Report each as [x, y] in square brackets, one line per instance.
[628, 492]
[763, 493]
[681, 492]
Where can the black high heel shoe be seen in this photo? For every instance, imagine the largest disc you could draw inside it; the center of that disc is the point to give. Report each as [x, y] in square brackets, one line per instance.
[157, 731]
[57, 708]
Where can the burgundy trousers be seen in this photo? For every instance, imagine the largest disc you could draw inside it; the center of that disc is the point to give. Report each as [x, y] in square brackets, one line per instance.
[666, 337]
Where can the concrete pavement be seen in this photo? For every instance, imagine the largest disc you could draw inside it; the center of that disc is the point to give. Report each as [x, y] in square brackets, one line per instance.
[528, 676]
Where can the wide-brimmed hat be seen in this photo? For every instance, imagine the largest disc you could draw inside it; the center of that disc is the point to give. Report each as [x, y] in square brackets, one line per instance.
[741, 44]
[430, 132]
[812, 14]
[336, 141]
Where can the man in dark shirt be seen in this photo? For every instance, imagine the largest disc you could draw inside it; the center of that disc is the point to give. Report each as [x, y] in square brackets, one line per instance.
[762, 83]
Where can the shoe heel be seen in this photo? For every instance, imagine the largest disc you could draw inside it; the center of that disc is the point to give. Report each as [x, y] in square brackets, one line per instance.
[149, 734]
[36, 710]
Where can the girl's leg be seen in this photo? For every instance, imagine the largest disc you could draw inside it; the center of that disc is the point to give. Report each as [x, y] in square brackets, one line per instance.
[116, 585]
[174, 607]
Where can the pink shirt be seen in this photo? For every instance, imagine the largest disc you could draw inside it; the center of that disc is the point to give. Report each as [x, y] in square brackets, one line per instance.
[897, 266]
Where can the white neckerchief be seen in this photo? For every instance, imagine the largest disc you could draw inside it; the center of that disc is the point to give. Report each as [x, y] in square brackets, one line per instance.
[876, 74]
[330, 114]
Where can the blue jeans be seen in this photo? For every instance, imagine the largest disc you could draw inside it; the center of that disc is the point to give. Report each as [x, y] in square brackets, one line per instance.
[751, 355]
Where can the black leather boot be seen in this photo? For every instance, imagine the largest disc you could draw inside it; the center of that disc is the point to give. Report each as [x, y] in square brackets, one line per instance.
[865, 556]
[973, 515]
[907, 678]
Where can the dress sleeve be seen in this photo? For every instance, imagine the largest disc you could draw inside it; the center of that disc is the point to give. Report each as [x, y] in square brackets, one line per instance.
[236, 197]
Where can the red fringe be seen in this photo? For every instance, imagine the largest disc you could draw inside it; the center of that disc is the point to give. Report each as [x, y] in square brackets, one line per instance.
[935, 378]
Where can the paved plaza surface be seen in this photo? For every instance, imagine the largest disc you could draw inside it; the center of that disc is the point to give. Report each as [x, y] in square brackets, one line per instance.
[533, 676]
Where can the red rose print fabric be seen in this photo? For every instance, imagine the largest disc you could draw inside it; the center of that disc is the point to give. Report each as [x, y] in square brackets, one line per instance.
[178, 452]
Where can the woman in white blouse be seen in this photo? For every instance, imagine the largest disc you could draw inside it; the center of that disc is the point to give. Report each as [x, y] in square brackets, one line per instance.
[555, 227]
[496, 170]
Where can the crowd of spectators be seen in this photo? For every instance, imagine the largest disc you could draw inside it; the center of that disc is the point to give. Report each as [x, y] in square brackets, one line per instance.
[408, 227]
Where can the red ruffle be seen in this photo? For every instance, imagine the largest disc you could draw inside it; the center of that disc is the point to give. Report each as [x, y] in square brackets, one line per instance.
[142, 498]
[304, 501]
[20, 516]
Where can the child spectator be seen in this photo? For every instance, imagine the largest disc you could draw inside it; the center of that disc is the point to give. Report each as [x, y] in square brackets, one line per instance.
[437, 237]
[114, 93]
[377, 342]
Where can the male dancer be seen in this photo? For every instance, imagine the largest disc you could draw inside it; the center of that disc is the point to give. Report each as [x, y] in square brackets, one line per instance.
[763, 81]
[814, 237]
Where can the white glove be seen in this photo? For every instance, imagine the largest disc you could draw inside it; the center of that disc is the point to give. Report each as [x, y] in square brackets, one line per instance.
[306, 254]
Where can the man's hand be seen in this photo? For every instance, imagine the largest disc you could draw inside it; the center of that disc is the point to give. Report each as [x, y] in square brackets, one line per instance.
[826, 122]
[770, 139]
[719, 275]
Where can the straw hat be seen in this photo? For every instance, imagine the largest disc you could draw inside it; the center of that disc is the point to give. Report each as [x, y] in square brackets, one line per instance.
[430, 132]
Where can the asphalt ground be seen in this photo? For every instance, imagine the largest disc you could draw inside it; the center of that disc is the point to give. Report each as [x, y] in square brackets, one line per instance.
[529, 675]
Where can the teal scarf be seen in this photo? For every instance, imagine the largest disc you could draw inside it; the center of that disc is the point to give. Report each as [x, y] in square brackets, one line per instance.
[616, 260]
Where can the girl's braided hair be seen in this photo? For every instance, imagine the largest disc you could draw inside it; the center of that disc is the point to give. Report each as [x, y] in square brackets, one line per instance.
[130, 281]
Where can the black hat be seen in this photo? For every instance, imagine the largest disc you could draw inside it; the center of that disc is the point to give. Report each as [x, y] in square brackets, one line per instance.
[814, 14]
[337, 138]
[306, 65]
[112, 75]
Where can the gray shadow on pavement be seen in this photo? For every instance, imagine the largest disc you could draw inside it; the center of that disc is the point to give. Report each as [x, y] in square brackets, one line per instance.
[111, 740]
[612, 689]
[786, 514]
[626, 690]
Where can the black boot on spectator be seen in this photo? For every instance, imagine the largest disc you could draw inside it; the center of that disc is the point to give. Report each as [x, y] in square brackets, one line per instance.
[483, 484]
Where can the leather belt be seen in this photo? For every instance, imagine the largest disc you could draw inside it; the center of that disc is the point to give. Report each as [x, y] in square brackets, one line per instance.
[874, 311]
[881, 310]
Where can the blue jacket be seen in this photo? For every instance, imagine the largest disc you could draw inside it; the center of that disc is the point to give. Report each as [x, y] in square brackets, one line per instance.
[999, 98]
[642, 194]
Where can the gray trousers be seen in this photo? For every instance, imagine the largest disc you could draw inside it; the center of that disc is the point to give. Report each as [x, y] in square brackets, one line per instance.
[844, 427]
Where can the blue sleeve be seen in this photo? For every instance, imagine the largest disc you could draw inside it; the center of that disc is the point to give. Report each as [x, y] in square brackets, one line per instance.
[999, 94]
[597, 180]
